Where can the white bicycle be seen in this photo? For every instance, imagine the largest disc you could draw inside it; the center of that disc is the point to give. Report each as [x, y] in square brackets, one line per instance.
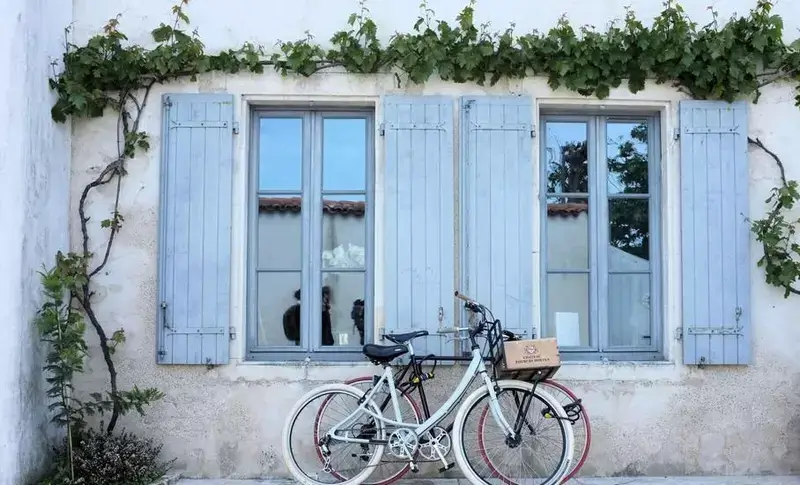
[363, 434]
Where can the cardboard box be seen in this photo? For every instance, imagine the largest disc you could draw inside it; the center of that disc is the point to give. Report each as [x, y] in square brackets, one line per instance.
[531, 354]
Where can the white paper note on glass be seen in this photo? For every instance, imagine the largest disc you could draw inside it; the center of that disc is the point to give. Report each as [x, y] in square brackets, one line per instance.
[568, 329]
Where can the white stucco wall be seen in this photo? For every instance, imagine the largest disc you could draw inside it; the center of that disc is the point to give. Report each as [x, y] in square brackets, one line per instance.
[648, 418]
[34, 182]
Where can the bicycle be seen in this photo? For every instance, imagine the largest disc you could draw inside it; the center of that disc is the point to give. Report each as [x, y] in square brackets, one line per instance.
[405, 440]
[573, 406]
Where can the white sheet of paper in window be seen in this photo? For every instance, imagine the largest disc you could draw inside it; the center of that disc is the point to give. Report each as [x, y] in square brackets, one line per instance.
[568, 329]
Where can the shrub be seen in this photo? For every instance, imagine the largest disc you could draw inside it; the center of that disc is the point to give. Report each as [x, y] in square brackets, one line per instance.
[116, 459]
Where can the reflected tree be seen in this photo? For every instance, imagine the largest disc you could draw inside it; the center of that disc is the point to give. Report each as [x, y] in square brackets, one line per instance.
[627, 172]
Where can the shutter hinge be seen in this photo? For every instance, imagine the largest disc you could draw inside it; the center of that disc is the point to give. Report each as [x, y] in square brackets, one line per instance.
[161, 354]
[382, 332]
[167, 102]
[679, 334]
[382, 129]
[533, 130]
[676, 133]
[441, 315]
[235, 127]
[164, 316]
[232, 332]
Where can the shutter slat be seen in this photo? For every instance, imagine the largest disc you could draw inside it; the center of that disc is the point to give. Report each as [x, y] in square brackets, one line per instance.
[715, 233]
[497, 207]
[195, 228]
[419, 242]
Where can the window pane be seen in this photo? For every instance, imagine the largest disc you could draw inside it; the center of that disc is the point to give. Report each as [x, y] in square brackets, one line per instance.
[279, 239]
[629, 234]
[280, 154]
[343, 308]
[568, 309]
[629, 310]
[567, 160]
[278, 312]
[344, 154]
[343, 232]
[626, 152]
[567, 233]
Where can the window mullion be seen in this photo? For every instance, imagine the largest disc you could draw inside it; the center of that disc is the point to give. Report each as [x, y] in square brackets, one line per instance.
[654, 190]
[591, 155]
[306, 215]
[600, 188]
[312, 258]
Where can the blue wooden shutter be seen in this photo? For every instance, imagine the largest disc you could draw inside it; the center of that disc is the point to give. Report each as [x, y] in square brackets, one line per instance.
[195, 229]
[497, 206]
[419, 237]
[715, 234]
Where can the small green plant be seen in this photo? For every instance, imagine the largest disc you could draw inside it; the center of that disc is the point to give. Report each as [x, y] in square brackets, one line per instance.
[63, 328]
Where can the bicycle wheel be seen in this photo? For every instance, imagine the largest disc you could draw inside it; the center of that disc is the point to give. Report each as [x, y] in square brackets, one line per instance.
[389, 470]
[484, 466]
[576, 412]
[581, 428]
[344, 471]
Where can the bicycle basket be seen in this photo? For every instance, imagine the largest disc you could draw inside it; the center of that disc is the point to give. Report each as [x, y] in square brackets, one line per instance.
[541, 359]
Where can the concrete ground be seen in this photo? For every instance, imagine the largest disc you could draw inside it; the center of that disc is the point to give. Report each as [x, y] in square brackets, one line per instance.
[751, 480]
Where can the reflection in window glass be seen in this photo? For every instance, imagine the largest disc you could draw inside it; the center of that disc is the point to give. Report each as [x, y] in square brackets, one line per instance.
[278, 309]
[568, 309]
[344, 154]
[280, 157]
[629, 234]
[566, 157]
[279, 241]
[626, 153]
[567, 233]
[343, 308]
[344, 229]
[629, 310]
[344, 232]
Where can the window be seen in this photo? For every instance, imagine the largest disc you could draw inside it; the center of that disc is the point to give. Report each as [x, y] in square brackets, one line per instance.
[310, 235]
[600, 207]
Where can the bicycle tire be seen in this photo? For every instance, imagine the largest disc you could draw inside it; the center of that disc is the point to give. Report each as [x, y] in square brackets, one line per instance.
[473, 399]
[580, 459]
[417, 414]
[286, 445]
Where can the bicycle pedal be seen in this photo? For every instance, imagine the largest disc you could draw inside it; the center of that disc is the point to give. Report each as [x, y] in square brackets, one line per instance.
[414, 467]
[447, 467]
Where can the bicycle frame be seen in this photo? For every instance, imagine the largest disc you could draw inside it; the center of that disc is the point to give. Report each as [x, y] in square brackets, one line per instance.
[405, 387]
[476, 367]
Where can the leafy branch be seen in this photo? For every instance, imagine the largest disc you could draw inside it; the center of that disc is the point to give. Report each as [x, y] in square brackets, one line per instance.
[776, 232]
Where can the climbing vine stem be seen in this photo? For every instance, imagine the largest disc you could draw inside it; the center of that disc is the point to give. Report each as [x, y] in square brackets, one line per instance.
[719, 60]
[776, 231]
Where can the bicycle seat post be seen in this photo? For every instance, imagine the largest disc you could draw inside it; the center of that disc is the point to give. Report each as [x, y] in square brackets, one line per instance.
[410, 349]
